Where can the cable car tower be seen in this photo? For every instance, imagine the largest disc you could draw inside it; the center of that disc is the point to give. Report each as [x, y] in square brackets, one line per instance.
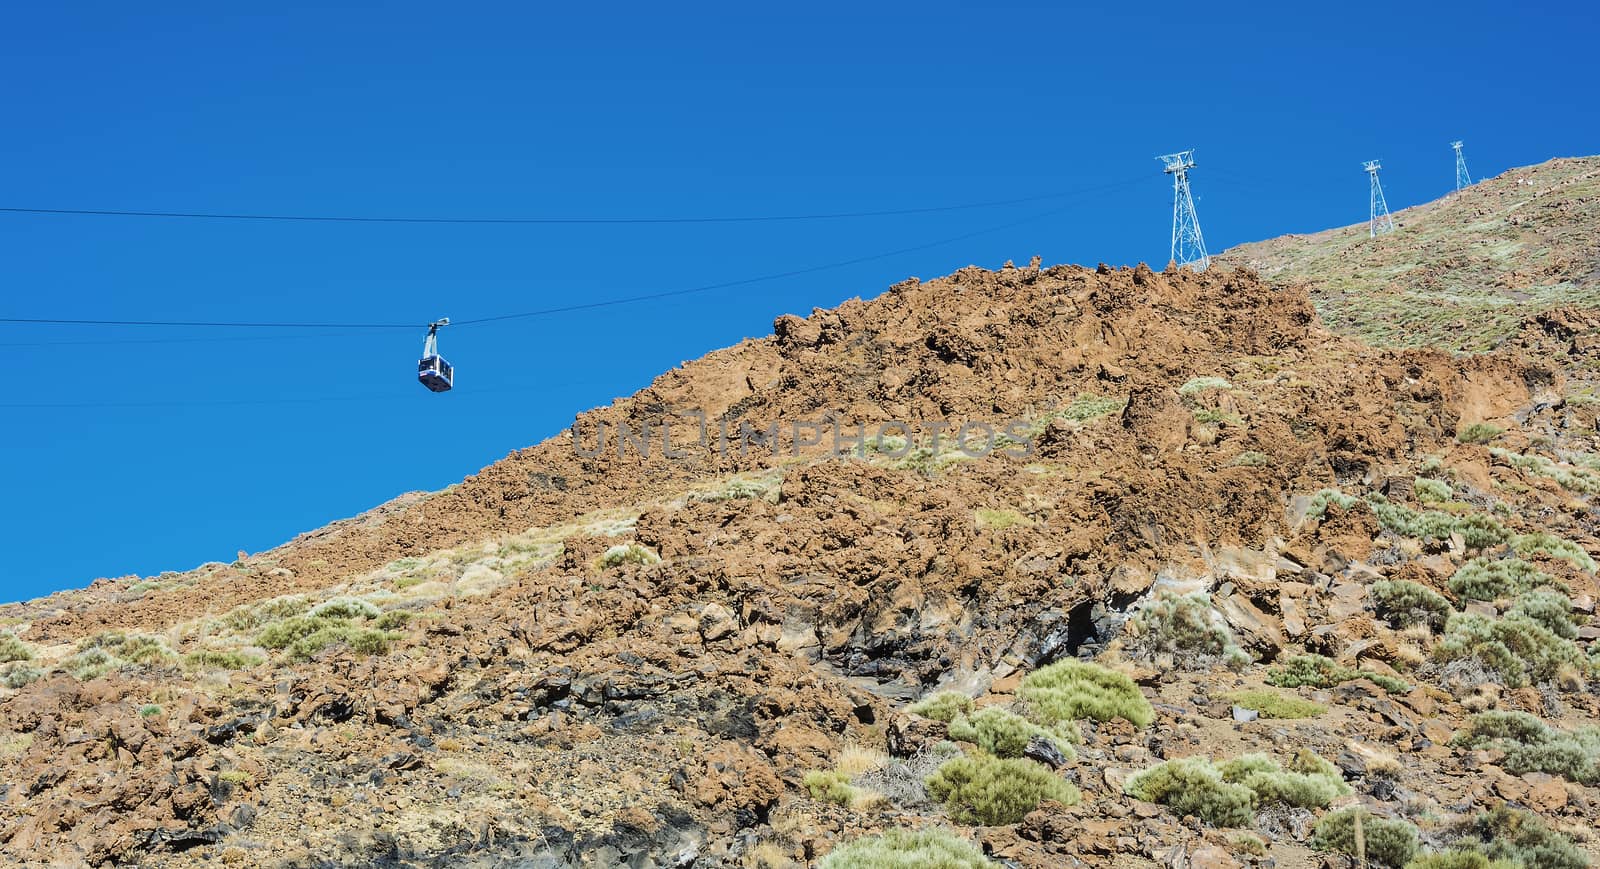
[1188, 247]
[1463, 180]
[1380, 222]
[432, 371]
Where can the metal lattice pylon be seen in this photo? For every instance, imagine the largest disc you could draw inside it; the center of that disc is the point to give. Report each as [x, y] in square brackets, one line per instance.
[1188, 247]
[1462, 178]
[1380, 221]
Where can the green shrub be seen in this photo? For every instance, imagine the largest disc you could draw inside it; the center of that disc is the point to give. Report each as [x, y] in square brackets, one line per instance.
[1549, 544]
[1322, 500]
[1551, 609]
[1577, 479]
[1517, 650]
[362, 641]
[1074, 690]
[1194, 786]
[1275, 704]
[1404, 603]
[1319, 671]
[91, 664]
[989, 790]
[628, 553]
[149, 710]
[129, 648]
[1309, 782]
[1477, 530]
[252, 616]
[1391, 843]
[1478, 433]
[1520, 837]
[20, 674]
[214, 659]
[282, 634]
[345, 608]
[1480, 531]
[1006, 734]
[13, 649]
[1088, 406]
[829, 786]
[932, 848]
[394, 619]
[943, 706]
[1226, 795]
[1251, 459]
[1431, 491]
[1460, 860]
[1197, 385]
[1188, 629]
[1492, 579]
[1530, 745]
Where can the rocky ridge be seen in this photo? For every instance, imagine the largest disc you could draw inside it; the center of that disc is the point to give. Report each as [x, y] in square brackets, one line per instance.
[603, 657]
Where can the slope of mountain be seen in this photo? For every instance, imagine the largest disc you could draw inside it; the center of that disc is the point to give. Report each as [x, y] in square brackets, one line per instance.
[702, 646]
[1461, 272]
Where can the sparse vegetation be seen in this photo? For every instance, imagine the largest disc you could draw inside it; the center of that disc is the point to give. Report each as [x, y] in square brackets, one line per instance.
[1391, 843]
[1478, 433]
[628, 553]
[1006, 734]
[1551, 609]
[362, 641]
[394, 619]
[345, 608]
[1194, 786]
[984, 789]
[932, 848]
[1495, 578]
[252, 616]
[222, 659]
[1430, 491]
[1530, 745]
[1515, 650]
[1522, 839]
[129, 648]
[1553, 546]
[13, 649]
[1186, 628]
[1197, 385]
[1000, 519]
[1075, 690]
[20, 674]
[1088, 406]
[90, 665]
[1227, 794]
[942, 706]
[1275, 704]
[1251, 459]
[1477, 530]
[829, 786]
[1307, 782]
[1574, 479]
[1404, 603]
[1318, 671]
[1460, 860]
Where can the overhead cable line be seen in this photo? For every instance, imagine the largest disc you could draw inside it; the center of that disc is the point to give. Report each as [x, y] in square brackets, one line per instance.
[582, 306]
[552, 220]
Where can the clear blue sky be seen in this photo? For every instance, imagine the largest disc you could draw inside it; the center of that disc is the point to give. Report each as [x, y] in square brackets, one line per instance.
[167, 455]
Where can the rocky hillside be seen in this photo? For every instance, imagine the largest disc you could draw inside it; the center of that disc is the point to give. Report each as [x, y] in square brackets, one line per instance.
[1186, 579]
[1462, 272]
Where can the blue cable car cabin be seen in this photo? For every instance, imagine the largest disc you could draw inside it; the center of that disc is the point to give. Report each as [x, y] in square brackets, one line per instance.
[435, 373]
[432, 370]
